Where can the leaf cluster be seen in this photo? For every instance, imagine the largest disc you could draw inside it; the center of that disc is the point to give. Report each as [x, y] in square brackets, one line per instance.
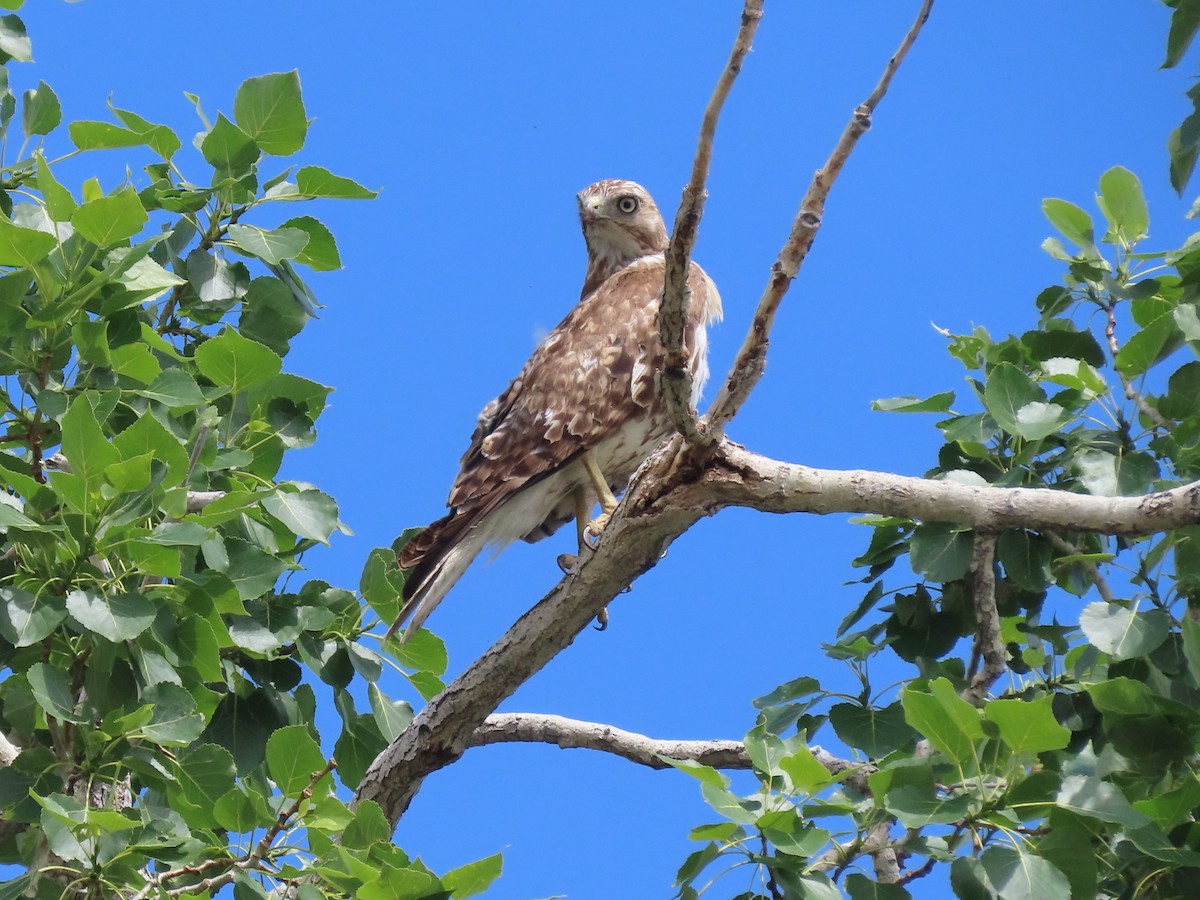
[159, 694]
[1076, 778]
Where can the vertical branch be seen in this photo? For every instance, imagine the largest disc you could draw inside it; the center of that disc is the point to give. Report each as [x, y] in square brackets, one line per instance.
[989, 646]
[751, 359]
[673, 313]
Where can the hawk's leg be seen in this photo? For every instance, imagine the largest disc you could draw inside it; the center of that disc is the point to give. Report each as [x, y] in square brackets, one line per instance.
[608, 502]
[583, 527]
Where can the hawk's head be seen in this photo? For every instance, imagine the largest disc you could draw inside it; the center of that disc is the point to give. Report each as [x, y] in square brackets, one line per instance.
[620, 224]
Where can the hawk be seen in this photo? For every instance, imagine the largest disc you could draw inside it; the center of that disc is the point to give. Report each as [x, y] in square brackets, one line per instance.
[581, 415]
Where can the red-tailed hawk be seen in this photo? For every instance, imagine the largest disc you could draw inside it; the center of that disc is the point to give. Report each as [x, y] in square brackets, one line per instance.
[582, 414]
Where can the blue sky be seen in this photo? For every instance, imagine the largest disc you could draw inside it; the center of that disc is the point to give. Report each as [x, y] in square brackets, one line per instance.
[480, 121]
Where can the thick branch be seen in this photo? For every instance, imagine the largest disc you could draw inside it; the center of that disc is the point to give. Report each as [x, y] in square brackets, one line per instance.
[751, 359]
[443, 730]
[657, 510]
[738, 477]
[989, 646]
[673, 314]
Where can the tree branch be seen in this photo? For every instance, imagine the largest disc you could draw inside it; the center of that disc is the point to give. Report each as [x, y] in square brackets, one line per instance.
[748, 367]
[646, 751]
[676, 385]
[657, 510]
[989, 647]
[572, 734]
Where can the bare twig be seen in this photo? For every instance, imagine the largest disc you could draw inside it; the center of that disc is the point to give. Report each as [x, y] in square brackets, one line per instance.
[638, 748]
[646, 751]
[748, 367]
[1062, 545]
[676, 383]
[989, 646]
[1131, 393]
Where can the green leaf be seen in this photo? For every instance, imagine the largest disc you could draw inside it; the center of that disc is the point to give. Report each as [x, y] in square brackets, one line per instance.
[727, 804]
[110, 220]
[1151, 840]
[1109, 475]
[1072, 222]
[392, 716]
[25, 618]
[313, 181]
[1124, 206]
[805, 772]
[272, 245]
[945, 719]
[935, 403]
[176, 719]
[13, 39]
[147, 435]
[160, 138]
[860, 887]
[293, 757]
[1018, 875]
[252, 571]
[877, 732]
[918, 805]
[473, 878]
[310, 514]
[175, 389]
[23, 246]
[87, 135]
[231, 360]
[788, 691]
[270, 110]
[41, 112]
[1028, 726]
[118, 617]
[202, 775]
[228, 149]
[242, 810]
[1148, 345]
[84, 444]
[1124, 633]
[320, 253]
[215, 279]
[1088, 796]
[1069, 849]
[424, 651]
[702, 773]
[52, 691]
[271, 315]
[1185, 20]
[59, 202]
[941, 552]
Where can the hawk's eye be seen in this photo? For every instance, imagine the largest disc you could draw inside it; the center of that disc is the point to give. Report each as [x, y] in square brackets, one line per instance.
[627, 204]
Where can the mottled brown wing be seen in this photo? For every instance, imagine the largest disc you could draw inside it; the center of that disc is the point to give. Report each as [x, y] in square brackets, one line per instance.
[594, 371]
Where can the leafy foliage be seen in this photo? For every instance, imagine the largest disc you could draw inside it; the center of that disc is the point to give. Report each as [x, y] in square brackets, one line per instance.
[1078, 777]
[161, 667]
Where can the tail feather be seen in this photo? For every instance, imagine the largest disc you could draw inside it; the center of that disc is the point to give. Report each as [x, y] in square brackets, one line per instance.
[437, 562]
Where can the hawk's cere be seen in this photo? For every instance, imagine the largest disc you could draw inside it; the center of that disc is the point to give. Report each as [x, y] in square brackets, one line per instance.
[582, 414]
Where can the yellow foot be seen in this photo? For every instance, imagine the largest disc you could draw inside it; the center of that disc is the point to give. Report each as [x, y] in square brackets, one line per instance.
[595, 528]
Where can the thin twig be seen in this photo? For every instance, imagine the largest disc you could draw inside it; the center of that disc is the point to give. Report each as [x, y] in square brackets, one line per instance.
[989, 645]
[748, 367]
[567, 733]
[1131, 393]
[673, 316]
[1092, 571]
